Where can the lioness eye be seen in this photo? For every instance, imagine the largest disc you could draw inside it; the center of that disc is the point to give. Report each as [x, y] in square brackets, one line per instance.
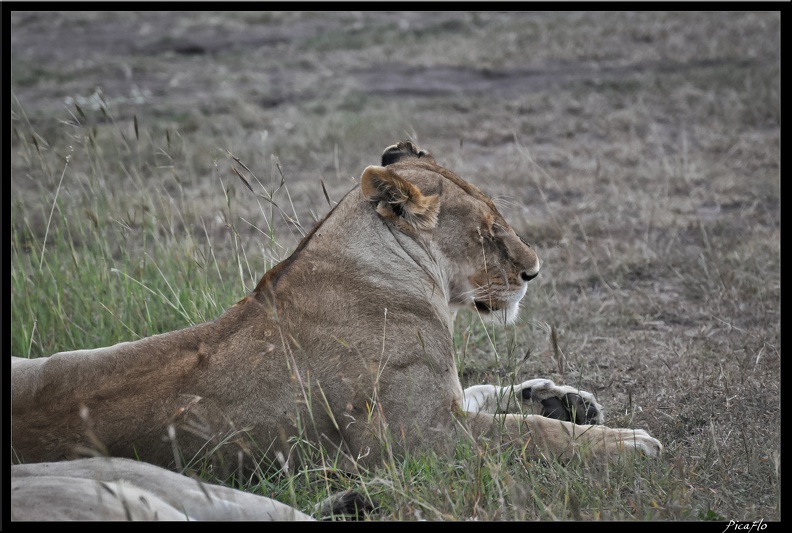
[524, 241]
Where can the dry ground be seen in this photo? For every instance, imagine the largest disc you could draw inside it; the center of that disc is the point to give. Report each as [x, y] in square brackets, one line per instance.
[638, 152]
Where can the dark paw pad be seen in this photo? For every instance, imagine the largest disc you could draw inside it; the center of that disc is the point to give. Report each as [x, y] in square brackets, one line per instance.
[571, 408]
[346, 505]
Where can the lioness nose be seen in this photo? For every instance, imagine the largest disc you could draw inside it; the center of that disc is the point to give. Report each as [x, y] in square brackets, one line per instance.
[530, 273]
[525, 276]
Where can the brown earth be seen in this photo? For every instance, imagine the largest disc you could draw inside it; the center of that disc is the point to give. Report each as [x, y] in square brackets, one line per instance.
[638, 151]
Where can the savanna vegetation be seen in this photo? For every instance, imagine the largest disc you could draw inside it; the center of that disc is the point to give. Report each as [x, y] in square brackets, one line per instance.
[162, 162]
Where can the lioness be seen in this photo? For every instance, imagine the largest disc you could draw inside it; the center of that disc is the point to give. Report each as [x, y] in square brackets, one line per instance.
[347, 344]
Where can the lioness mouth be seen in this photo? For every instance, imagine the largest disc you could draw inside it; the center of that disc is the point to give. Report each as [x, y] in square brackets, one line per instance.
[486, 307]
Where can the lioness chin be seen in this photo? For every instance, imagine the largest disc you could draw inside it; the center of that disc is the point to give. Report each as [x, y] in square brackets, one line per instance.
[346, 344]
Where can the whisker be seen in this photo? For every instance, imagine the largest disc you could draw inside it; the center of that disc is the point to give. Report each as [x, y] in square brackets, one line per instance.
[506, 201]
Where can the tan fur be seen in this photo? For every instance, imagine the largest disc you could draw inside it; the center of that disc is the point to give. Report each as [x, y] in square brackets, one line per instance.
[347, 343]
[113, 488]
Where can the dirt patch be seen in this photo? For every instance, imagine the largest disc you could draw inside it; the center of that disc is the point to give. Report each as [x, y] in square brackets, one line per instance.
[638, 152]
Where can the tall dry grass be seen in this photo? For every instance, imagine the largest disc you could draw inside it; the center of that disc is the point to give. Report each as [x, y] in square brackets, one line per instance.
[639, 152]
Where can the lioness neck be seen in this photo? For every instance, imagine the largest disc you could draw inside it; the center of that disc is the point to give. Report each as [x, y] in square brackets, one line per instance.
[361, 266]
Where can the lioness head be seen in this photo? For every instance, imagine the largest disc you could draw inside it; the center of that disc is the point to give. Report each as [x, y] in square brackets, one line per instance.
[487, 263]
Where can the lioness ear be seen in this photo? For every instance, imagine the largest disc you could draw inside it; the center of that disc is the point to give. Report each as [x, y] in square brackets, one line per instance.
[403, 150]
[399, 200]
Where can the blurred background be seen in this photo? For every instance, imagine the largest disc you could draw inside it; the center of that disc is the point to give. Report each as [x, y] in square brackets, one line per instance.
[637, 151]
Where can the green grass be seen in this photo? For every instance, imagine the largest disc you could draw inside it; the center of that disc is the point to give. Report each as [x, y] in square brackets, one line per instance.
[652, 197]
[107, 267]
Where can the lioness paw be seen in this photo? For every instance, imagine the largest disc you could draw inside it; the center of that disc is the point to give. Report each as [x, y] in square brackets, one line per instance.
[637, 440]
[561, 402]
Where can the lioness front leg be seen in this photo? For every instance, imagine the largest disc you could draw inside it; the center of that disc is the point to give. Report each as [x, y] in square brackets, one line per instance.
[537, 396]
[539, 436]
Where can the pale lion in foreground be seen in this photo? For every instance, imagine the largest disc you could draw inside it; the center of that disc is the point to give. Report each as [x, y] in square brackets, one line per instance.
[114, 488]
[347, 344]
